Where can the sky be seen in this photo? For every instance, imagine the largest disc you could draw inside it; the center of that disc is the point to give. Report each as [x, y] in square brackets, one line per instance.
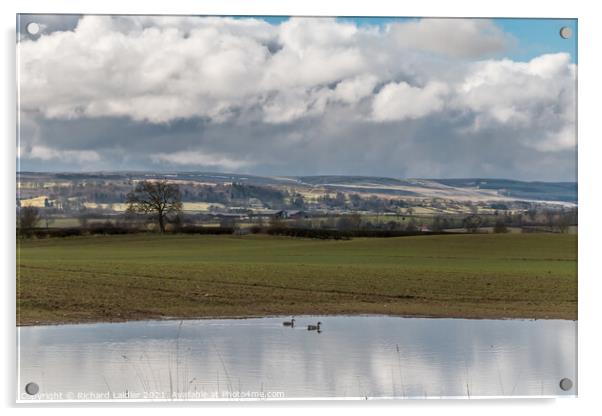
[395, 97]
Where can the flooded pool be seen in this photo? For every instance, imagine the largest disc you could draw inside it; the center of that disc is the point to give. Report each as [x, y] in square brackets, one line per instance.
[352, 356]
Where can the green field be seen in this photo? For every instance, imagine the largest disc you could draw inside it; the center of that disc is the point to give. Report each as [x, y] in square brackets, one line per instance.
[112, 278]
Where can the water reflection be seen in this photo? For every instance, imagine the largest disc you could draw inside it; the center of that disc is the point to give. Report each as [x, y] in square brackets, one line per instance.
[367, 356]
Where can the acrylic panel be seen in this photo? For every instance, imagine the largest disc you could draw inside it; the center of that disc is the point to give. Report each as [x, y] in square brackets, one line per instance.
[273, 207]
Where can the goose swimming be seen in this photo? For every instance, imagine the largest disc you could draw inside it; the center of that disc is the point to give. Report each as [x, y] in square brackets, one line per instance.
[314, 327]
[290, 323]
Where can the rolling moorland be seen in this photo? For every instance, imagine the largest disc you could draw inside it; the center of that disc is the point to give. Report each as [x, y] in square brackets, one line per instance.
[109, 187]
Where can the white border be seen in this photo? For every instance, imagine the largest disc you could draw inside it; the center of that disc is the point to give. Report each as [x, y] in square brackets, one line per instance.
[590, 28]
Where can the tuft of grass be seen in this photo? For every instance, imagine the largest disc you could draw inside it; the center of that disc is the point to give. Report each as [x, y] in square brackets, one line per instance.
[124, 277]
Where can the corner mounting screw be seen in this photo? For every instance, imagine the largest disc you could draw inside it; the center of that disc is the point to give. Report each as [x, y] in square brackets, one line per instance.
[566, 384]
[32, 388]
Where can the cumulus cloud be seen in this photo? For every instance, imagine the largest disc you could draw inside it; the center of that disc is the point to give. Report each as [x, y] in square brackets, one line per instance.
[352, 90]
[159, 69]
[399, 101]
[538, 96]
[303, 96]
[472, 38]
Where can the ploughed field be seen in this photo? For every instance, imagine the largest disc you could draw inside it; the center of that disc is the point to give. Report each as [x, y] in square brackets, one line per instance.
[147, 276]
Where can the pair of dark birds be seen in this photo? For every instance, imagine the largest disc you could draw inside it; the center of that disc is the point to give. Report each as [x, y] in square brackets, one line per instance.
[291, 323]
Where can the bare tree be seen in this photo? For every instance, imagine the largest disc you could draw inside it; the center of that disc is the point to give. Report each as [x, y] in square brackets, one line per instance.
[437, 225]
[550, 219]
[411, 226]
[500, 227]
[45, 216]
[29, 217]
[472, 223]
[158, 198]
[349, 222]
[564, 223]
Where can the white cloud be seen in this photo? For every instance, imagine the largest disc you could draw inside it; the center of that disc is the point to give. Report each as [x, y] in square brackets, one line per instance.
[472, 38]
[537, 96]
[197, 158]
[159, 69]
[399, 101]
[352, 90]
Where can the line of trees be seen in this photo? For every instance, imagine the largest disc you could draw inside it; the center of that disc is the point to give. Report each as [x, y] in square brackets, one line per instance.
[161, 202]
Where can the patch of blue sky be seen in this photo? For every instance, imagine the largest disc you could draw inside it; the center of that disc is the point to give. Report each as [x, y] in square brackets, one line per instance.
[539, 36]
[534, 37]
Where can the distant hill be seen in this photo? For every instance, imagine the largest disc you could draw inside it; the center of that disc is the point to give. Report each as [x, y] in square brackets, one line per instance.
[513, 189]
[474, 189]
[547, 191]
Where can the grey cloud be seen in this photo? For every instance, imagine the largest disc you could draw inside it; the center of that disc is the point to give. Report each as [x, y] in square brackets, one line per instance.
[429, 147]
